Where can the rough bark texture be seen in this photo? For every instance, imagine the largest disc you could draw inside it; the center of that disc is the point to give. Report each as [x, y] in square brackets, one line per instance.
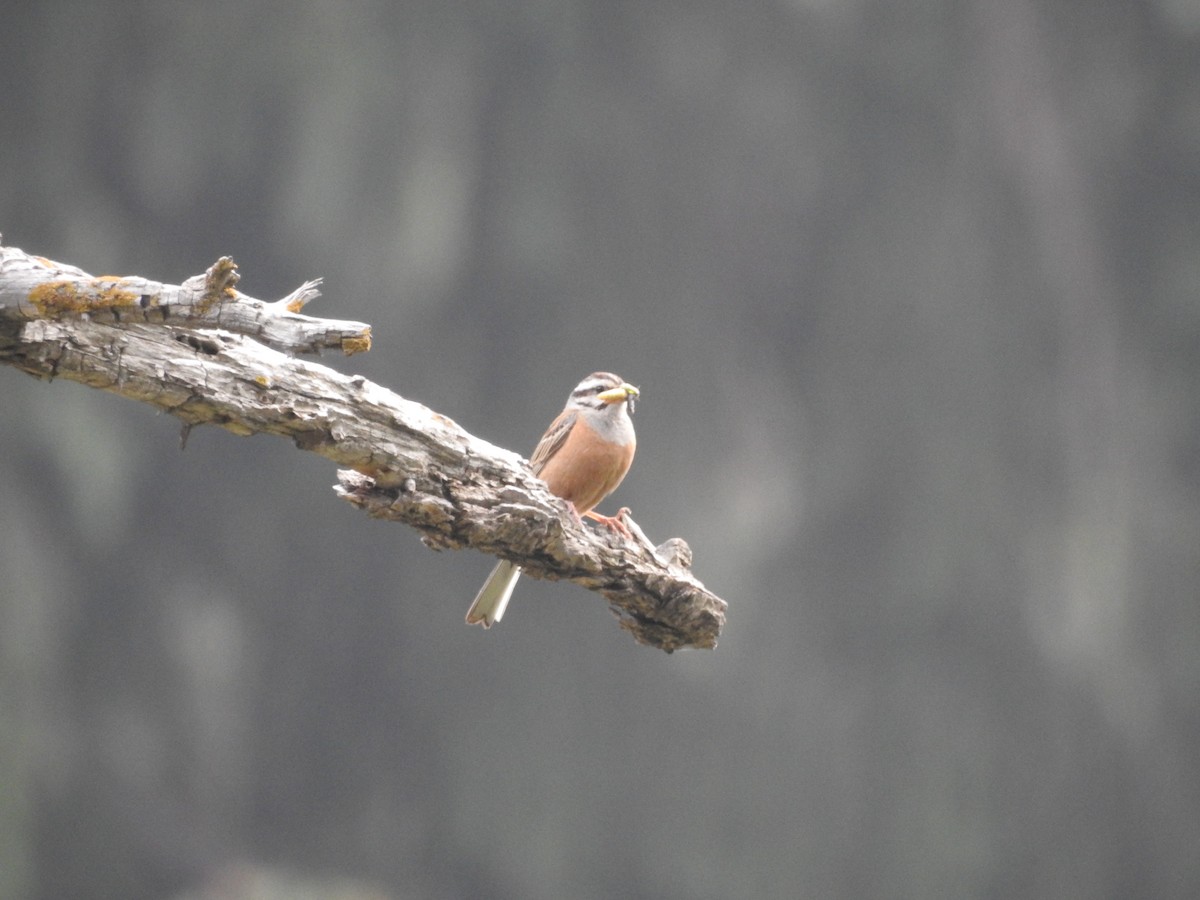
[199, 351]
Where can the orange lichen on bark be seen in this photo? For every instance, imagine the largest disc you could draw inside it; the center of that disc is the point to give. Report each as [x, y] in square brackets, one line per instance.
[360, 343]
[56, 298]
[218, 283]
[110, 292]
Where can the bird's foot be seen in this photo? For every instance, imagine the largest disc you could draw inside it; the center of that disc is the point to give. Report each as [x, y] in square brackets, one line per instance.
[613, 523]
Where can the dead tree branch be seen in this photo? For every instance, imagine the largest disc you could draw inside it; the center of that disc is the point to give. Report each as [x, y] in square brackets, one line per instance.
[200, 352]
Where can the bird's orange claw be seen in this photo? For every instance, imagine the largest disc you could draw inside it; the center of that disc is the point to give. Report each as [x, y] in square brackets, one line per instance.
[613, 523]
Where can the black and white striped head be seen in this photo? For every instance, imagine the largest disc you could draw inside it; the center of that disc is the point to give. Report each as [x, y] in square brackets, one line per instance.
[601, 390]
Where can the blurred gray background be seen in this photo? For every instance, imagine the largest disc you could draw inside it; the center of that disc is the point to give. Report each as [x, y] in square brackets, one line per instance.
[910, 290]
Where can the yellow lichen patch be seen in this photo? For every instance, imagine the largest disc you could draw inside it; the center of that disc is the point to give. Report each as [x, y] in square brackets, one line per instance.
[239, 428]
[57, 297]
[359, 343]
[262, 380]
[109, 292]
[218, 283]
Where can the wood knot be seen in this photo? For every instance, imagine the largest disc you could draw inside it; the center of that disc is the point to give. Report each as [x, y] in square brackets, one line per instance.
[206, 345]
[675, 552]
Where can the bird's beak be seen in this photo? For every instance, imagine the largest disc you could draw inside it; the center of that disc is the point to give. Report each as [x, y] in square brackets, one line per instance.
[620, 394]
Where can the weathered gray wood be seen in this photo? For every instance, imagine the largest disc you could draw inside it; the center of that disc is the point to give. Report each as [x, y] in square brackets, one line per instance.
[38, 288]
[403, 461]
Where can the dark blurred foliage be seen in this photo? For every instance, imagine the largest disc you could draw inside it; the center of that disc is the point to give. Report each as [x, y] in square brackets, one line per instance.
[911, 294]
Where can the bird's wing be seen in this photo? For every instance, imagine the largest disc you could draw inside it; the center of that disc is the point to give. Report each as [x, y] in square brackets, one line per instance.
[552, 440]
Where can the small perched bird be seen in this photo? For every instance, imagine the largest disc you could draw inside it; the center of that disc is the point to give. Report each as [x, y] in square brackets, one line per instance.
[582, 457]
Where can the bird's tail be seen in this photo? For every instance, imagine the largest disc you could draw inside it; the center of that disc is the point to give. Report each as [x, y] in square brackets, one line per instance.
[493, 597]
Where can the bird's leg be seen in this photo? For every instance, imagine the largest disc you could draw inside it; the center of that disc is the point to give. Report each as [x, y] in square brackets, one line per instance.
[574, 513]
[613, 523]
